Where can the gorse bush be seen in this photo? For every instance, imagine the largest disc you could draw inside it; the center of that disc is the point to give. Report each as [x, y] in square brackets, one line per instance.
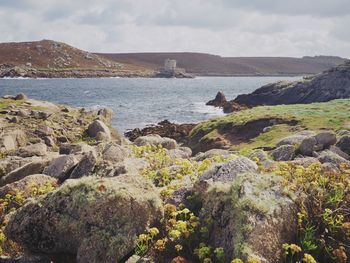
[324, 216]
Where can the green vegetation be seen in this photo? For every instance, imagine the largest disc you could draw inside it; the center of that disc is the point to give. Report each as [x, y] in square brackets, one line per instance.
[323, 219]
[330, 115]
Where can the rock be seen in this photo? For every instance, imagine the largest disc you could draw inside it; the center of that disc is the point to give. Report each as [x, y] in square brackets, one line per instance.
[250, 216]
[219, 100]
[38, 149]
[262, 158]
[307, 146]
[35, 167]
[114, 153]
[49, 141]
[330, 168]
[26, 185]
[328, 156]
[267, 129]
[343, 132]
[62, 139]
[212, 154]
[344, 144]
[339, 152]
[331, 84]
[44, 131]
[21, 96]
[8, 97]
[106, 113]
[227, 172]
[8, 143]
[178, 132]
[305, 161]
[296, 139]
[283, 153]
[181, 152]
[14, 119]
[155, 139]
[102, 137]
[42, 115]
[98, 220]
[70, 148]
[85, 166]
[326, 139]
[61, 167]
[23, 113]
[129, 166]
[98, 126]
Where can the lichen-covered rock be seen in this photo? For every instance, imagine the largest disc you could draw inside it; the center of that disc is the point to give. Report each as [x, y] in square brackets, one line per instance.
[114, 153]
[155, 139]
[95, 219]
[181, 152]
[21, 96]
[251, 216]
[61, 167]
[228, 171]
[70, 148]
[38, 149]
[344, 144]
[213, 153]
[284, 153]
[85, 166]
[262, 157]
[328, 156]
[35, 167]
[26, 185]
[307, 146]
[326, 139]
[97, 127]
[296, 139]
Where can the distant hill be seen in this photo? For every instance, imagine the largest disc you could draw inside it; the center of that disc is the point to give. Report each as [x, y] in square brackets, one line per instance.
[206, 64]
[49, 58]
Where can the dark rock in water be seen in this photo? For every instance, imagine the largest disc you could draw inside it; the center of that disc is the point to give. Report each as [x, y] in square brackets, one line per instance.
[331, 84]
[178, 132]
[227, 106]
[219, 101]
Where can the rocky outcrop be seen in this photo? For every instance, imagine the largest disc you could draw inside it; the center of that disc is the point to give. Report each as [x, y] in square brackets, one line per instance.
[251, 216]
[95, 220]
[227, 106]
[329, 85]
[155, 139]
[178, 132]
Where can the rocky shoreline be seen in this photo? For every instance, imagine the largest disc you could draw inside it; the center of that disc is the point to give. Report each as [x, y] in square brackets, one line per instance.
[72, 189]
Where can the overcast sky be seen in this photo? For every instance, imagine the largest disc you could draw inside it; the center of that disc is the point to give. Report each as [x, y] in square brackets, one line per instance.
[223, 27]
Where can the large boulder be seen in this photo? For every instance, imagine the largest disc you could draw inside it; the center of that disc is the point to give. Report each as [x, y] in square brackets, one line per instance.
[250, 216]
[219, 101]
[325, 139]
[97, 128]
[308, 146]
[296, 139]
[212, 154]
[85, 167]
[61, 167]
[344, 144]
[35, 167]
[25, 185]
[228, 171]
[38, 149]
[98, 220]
[155, 139]
[284, 153]
[327, 156]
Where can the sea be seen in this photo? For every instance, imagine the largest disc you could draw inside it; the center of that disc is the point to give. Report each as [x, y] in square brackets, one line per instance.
[138, 102]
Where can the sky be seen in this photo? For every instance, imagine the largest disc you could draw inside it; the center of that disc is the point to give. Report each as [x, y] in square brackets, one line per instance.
[223, 27]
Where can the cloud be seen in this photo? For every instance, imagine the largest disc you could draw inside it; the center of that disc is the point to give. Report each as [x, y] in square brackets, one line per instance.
[224, 27]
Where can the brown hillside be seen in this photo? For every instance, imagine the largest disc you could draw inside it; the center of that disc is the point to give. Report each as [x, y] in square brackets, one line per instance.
[54, 55]
[206, 64]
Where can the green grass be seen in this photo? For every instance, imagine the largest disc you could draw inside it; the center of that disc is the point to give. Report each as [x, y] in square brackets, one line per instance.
[332, 115]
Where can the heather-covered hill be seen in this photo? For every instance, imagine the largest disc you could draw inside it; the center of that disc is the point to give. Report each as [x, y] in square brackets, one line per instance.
[207, 64]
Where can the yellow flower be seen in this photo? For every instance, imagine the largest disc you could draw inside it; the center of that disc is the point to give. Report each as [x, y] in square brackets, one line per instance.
[143, 237]
[153, 231]
[174, 234]
[237, 260]
[308, 258]
[160, 244]
[178, 248]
